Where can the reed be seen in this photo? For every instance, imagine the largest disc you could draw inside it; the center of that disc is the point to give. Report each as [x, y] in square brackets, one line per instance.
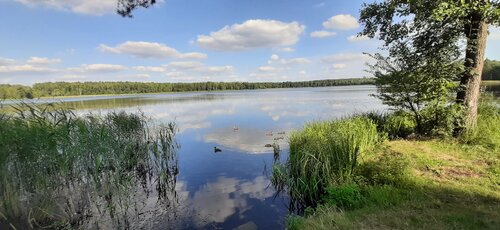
[323, 154]
[61, 170]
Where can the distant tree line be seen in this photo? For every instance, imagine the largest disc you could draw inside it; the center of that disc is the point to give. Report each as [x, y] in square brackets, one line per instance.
[50, 89]
[491, 70]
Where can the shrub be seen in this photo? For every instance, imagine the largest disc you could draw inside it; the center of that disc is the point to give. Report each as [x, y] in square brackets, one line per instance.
[399, 125]
[345, 196]
[439, 120]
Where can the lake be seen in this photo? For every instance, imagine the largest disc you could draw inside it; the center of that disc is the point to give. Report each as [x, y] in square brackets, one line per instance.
[229, 188]
[224, 158]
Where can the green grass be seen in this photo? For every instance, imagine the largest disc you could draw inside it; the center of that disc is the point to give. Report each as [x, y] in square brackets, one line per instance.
[438, 185]
[59, 170]
[323, 154]
[419, 184]
[487, 132]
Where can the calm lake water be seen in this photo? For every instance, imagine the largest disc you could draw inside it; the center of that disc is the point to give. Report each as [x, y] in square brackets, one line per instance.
[231, 188]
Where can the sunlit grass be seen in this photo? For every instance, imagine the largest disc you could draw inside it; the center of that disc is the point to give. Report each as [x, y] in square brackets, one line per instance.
[419, 184]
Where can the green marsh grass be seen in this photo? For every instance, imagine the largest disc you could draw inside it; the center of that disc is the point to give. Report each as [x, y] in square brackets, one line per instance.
[323, 154]
[59, 170]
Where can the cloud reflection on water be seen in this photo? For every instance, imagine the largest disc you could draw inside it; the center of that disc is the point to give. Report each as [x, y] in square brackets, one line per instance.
[214, 202]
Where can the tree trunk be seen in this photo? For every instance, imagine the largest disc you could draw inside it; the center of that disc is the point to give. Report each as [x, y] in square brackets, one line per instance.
[468, 95]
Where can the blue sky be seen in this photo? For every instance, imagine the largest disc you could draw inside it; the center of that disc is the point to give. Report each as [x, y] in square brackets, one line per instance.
[184, 41]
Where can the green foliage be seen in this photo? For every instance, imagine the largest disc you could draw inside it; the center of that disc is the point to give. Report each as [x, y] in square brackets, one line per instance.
[461, 10]
[413, 83]
[487, 130]
[491, 70]
[57, 169]
[345, 196]
[439, 120]
[15, 91]
[422, 38]
[399, 124]
[418, 75]
[324, 154]
[294, 222]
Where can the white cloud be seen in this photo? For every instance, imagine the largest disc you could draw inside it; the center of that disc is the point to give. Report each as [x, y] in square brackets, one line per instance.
[319, 5]
[322, 34]
[267, 68]
[184, 65]
[70, 78]
[295, 61]
[196, 68]
[6, 61]
[98, 68]
[341, 22]
[286, 49]
[346, 57]
[219, 69]
[339, 66]
[92, 7]
[135, 77]
[252, 34]
[193, 55]
[143, 49]
[150, 68]
[175, 74]
[25, 69]
[275, 57]
[42, 61]
[355, 38]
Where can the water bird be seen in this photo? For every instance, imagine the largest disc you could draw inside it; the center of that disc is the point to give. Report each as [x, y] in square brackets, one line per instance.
[281, 133]
[279, 138]
[269, 133]
[236, 128]
[217, 150]
[268, 145]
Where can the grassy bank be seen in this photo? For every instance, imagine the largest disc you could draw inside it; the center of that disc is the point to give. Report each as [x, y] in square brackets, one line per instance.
[415, 185]
[412, 183]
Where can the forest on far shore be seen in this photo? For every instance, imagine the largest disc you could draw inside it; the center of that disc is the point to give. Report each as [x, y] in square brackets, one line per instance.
[55, 89]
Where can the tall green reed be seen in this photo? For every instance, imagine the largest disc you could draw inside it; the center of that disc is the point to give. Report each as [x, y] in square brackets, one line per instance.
[323, 154]
[58, 169]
